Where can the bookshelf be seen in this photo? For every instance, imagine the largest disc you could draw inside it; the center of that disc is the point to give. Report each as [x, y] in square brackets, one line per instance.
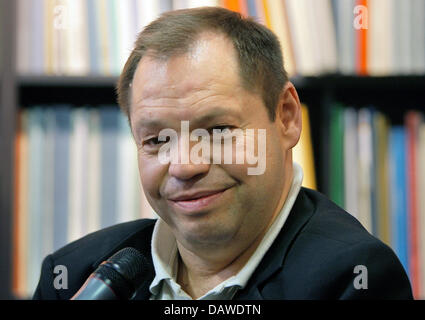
[393, 95]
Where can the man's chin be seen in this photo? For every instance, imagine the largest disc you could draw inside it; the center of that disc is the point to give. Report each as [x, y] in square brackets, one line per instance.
[205, 234]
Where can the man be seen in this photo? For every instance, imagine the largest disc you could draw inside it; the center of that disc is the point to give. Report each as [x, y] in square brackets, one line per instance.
[224, 233]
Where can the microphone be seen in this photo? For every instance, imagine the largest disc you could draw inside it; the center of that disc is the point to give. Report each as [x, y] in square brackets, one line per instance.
[117, 278]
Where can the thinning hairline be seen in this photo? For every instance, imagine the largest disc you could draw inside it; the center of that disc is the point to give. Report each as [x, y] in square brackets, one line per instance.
[251, 86]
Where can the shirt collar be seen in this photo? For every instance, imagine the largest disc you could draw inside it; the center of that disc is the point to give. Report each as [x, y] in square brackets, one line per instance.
[164, 247]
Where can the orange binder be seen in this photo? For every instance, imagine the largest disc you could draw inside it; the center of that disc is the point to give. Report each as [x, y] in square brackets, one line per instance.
[361, 41]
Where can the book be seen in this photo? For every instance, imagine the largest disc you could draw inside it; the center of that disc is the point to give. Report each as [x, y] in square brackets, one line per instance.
[373, 178]
[417, 37]
[101, 9]
[48, 33]
[412, 122]
[361, 26]
[252, 8]
[76, 27]
[78, 174]
[344, 33]
[127, 191]
[36, 152]
[47, 182]
[167, 5]
[37, 37]
[61, 174]
[402, 36]
[299, 14]
[365, 165]
[381, 170]
[94, 47]
[351, 185]
[232, 5]
[113, 36]
[399, 219]
[109, 147]
[94, 166]
[126, 30]
[336, 173]
[380, 51]
[323, 32]
[20, 218]
[260, 13]
[279, 24]
[421, 205]
[24, 36]
[147, 11]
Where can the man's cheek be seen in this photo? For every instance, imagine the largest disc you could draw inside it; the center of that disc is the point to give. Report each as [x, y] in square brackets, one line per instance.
[236, 171]
[151, 176]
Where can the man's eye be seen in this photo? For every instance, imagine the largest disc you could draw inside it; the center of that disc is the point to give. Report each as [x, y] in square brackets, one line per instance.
[222, 127]
[153, 142]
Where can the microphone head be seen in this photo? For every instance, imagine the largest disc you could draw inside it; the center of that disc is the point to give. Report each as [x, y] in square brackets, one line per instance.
[124, 272]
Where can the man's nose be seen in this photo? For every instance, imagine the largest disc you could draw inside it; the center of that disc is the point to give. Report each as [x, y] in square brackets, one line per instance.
[185, 168]
[187, 171]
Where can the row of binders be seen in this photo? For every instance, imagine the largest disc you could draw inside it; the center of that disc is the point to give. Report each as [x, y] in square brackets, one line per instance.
[79, 37]
[377, 173]
[76, 172]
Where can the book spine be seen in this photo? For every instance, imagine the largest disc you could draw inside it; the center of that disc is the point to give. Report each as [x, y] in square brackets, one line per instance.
[109, 129]
[94, 172]
[351, 153]
[412, 124]
[61, 174]
[399, 235]
[361, 36]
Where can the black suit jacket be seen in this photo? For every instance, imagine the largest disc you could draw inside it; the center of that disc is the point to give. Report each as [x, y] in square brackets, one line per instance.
[313, 257]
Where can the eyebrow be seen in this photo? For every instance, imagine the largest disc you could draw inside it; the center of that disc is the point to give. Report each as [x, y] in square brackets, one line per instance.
[210, 115]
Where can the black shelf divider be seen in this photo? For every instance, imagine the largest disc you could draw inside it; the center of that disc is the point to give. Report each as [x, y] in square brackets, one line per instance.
[71, 81]
[7, 134]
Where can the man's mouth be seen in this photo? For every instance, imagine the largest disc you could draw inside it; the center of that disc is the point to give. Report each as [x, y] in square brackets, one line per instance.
[197, 200]
[196, 195]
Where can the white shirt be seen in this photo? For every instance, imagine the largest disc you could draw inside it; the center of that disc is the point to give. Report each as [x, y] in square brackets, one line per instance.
[165, 256]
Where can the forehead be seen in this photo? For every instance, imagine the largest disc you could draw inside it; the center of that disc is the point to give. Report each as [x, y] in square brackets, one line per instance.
[209, 63]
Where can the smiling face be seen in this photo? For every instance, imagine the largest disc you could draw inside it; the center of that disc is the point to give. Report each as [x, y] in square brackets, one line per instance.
[203, 87]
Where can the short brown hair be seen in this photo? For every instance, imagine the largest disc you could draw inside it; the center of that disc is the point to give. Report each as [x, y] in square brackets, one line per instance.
[258, 49]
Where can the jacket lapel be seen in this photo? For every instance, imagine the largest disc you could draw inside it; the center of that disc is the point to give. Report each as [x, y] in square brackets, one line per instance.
[300, 214]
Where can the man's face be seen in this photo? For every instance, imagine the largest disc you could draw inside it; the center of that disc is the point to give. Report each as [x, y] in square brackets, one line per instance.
[203, 87]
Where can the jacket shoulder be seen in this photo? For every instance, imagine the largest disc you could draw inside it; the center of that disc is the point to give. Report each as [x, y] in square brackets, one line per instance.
[329, 250]
[333, 222]
[81, 257]
[102, 241]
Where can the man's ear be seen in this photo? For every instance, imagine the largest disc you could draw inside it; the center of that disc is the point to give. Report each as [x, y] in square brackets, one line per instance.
[288, 115]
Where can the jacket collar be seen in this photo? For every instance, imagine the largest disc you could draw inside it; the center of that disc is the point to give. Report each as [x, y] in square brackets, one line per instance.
[273, 261]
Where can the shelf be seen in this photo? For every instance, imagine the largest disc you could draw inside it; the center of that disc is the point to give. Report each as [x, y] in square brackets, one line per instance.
[62, 81]
[324, 81]
[353, 81]
[81, 90]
